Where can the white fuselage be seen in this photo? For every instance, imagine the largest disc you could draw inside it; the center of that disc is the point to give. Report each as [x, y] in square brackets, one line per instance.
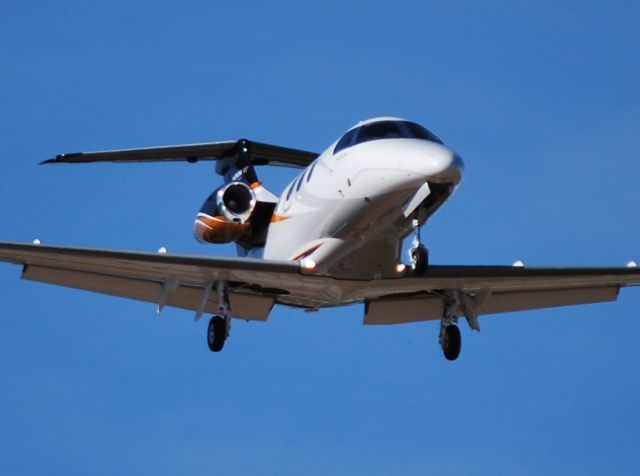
[347, 211]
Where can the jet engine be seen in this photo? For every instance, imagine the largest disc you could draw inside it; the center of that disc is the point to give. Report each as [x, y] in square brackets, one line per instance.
[236, 201]
[224, 217]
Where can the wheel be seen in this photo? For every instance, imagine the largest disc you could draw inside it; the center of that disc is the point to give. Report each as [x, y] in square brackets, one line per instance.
[419, 260]
[216, 333]
[452, 342]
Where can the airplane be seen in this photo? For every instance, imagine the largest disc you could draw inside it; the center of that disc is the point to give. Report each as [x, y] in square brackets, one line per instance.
[332, 238]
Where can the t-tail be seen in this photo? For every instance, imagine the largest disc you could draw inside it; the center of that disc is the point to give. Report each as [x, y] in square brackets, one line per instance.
[240, 210]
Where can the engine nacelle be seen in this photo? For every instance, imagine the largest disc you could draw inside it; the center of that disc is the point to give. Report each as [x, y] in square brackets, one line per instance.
[224, 217]
[236, 201]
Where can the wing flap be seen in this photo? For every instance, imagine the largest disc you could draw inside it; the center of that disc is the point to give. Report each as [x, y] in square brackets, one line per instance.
[403, 310]
[245, 306]
[431, 307]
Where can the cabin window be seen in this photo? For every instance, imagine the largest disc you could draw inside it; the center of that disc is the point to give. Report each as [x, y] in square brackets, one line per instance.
[289, 191]
[310, 173]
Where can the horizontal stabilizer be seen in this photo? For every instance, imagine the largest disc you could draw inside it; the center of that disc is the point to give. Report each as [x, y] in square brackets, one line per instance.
[258, 153]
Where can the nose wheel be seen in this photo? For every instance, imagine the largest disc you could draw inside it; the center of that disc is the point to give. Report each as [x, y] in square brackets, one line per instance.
[418, 253]
[419, 259]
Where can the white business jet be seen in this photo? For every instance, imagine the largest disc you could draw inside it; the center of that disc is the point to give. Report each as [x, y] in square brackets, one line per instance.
[333, 238]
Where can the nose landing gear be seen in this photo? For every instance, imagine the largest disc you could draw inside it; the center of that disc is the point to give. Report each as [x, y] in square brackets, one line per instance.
[418, 253]
[419, 259]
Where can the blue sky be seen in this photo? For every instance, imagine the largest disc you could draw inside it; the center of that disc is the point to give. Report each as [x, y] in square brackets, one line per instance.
[541, 99]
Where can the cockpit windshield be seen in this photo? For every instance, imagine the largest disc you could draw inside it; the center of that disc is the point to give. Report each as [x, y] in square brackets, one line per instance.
[384, 130]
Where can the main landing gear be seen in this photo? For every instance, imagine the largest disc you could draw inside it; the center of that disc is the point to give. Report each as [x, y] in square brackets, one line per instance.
[459, 303]
[217, 333]
[219, 325]
[451, 341]
[418, 254]
[450, 338]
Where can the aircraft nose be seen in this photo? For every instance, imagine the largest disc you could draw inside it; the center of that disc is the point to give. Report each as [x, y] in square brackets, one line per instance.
[446, 167]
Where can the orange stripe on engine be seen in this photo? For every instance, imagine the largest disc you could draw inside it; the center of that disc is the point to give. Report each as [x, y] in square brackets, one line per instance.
[212, 221]
[217, 229]
[275, 218]
[255, 185]
[219, 223]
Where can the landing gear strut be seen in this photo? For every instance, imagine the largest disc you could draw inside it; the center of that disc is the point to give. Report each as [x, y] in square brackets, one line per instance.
[418, 254]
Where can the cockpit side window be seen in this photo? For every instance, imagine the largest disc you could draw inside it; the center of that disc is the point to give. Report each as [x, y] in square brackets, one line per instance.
[347, 140]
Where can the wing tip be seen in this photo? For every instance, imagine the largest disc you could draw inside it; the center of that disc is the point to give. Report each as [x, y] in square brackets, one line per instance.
[61, 158]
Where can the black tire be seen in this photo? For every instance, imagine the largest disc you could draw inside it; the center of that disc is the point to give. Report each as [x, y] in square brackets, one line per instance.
[452, 342]
[419, 260]
[216, 333]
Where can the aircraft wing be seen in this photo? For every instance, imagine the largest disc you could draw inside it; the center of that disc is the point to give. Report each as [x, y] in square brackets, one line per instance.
[493, 289]
[187, 282]
[259, 154]
[253, 286]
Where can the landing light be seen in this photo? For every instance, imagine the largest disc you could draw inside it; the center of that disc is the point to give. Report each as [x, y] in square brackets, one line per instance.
[400, 267]
[308, 264]
[632, 264]
[162, 250]
[36, 241]
[518, 264]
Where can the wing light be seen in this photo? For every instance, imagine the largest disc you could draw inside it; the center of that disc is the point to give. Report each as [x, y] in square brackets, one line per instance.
[632, 264]
[308, 264]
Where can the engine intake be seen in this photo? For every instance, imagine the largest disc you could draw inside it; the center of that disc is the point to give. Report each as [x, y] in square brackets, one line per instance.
[236, 201]
[224, 217]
